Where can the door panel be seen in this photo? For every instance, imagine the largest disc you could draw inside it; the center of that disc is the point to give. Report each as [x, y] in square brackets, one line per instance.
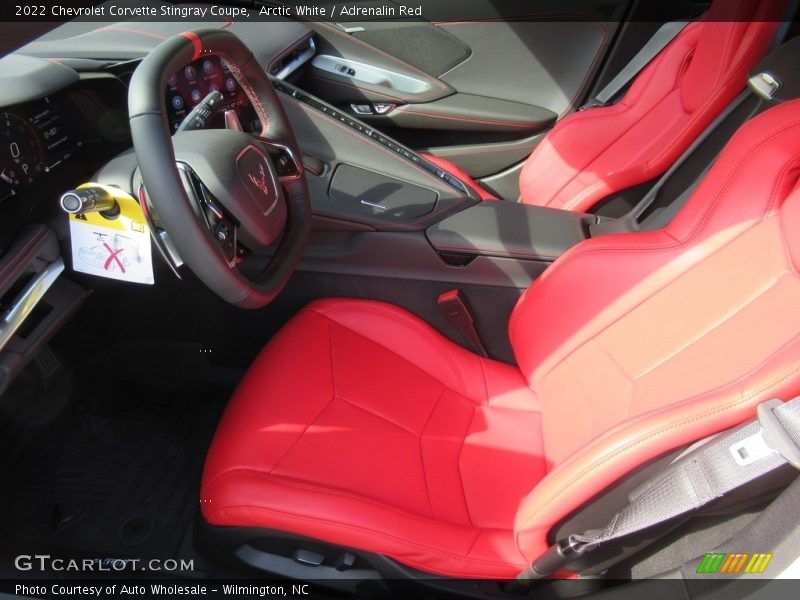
[342, 85]
[546, 64]
[503, 75]
[425, 46]
[468, 112]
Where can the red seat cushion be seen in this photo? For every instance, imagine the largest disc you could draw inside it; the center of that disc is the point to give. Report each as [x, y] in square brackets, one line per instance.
[361, 426]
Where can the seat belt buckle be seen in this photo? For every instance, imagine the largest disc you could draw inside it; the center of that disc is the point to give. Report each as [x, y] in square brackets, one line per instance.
[775, 434]
[594, 103]
[557, 558]
[455, 309]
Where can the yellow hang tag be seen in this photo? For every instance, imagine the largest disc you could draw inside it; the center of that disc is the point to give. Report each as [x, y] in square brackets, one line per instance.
[118, 247]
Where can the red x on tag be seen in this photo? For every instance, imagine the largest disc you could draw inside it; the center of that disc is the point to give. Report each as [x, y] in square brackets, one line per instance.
[113, 257]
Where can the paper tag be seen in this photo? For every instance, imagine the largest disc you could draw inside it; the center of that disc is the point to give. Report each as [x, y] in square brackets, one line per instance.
[115, 248]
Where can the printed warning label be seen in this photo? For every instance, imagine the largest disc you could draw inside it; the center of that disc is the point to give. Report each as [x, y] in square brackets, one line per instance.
[118, 248]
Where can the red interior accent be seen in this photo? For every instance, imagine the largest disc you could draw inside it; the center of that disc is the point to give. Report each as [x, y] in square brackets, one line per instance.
[196, 42]
[449, 295]
[451, 168]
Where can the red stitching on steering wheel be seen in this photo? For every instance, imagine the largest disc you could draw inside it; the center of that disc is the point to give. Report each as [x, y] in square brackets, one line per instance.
[248, 89]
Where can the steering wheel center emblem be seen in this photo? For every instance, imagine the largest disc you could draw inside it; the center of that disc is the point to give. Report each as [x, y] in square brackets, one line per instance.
[258, 179]
[261, 181]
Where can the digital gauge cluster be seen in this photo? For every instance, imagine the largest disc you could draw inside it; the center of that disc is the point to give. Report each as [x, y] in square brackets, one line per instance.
[196, 80]
[35, 138]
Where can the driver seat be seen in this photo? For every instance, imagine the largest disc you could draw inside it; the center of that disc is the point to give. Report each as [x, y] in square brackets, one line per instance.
[361, 426]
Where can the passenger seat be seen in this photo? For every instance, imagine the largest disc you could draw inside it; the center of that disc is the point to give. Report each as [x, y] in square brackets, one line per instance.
[592, 154]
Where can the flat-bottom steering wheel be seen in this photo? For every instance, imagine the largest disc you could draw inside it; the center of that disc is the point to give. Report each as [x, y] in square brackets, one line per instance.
[216, 192]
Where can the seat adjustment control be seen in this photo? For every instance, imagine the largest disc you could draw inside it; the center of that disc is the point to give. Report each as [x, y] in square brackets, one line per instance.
[308, 558]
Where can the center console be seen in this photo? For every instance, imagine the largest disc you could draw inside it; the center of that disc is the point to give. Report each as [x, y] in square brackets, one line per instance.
[509, 230]
[361, 178]
[381, 210]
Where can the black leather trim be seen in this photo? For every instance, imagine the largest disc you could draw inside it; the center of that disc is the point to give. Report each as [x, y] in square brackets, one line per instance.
[508, 229]
[467, 112]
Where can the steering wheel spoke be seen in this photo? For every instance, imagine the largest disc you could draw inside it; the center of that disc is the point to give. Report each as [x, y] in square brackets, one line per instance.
[221, 225]
[287, 165]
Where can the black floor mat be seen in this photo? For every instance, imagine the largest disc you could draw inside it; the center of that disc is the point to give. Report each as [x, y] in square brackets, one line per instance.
[119, 475]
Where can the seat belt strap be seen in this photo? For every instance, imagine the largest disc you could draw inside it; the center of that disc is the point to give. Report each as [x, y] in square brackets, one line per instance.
[665, 34]
[727, 462]
[786, 22]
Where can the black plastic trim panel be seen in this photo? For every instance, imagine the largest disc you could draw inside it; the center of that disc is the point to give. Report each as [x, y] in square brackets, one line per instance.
[372, 133]
[510, 230]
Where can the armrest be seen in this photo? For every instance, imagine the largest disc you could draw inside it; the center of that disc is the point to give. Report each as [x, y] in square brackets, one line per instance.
[507, 229]
[467, 112]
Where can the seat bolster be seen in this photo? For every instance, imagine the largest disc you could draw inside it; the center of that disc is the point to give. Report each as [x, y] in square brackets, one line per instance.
[412, 339]
[602, 462]
[249, 498]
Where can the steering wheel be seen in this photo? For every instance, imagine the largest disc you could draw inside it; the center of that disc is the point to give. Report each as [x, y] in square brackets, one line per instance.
[217, 192]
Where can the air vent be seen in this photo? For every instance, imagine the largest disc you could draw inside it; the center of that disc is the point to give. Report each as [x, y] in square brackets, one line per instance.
[124, 70]
[294, 59]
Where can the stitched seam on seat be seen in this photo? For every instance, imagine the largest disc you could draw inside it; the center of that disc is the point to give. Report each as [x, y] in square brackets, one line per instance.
[613, 359]
[458, 465]
[472, 545]
[773, 199]
[378, 416]
[485, 381]
[422, 455]
[410, 325]
[295, 483]
[702, 416]
[707, 211]
[584, 394]
[322, 410]
[787, 252]
[430, 549]
[737, 310]
[303, 484]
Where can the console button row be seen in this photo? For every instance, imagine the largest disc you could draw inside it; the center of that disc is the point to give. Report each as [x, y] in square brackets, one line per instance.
[345, 119]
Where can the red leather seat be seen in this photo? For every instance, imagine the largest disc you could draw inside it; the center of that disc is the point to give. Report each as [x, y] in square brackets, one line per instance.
[360, 425]
[590, 155]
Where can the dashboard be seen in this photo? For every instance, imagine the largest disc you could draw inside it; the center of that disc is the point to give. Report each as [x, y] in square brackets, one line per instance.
[190, 85]
[35, 139]
[52, 143]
